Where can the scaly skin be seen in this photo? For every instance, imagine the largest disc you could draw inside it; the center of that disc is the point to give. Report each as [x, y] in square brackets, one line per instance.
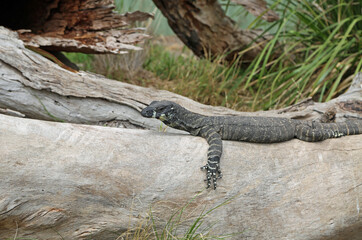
[240, 128]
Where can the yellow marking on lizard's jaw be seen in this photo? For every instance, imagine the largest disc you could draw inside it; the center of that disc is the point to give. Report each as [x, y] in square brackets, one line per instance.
[163, 117]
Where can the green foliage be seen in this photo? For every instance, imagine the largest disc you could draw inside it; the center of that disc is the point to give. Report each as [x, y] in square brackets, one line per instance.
[315, 52]
[200, 79]
[322, 47]
[316, 45]
[83, 61]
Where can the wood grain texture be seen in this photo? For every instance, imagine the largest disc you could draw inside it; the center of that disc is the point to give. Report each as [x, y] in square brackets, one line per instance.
[87, 26]
[80, 181]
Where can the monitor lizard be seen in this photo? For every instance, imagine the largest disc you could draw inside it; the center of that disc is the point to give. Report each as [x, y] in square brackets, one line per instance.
[241, 128]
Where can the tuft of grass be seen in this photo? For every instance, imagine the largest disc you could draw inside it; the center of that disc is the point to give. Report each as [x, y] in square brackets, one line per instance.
[200, 79]
[320, 49]
[180, 225]
[315, 52]
[195, 231]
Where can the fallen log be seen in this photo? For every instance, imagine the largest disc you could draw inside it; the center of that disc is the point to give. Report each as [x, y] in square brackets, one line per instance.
[61, 180]
[36, 87]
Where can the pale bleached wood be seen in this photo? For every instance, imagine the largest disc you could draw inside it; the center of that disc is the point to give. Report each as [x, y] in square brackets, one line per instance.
[72, 181]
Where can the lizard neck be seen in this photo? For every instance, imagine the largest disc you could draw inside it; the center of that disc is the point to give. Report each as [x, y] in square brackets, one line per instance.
[185, 120]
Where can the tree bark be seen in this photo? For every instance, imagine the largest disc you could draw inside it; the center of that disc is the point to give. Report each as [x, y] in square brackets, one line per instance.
[68, 181]
[88, 26]
[203, 26]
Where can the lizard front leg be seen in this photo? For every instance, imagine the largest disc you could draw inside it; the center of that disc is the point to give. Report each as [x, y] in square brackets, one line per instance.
[214, 152]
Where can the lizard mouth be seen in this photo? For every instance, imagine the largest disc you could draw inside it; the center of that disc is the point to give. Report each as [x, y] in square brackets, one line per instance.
[148, 113]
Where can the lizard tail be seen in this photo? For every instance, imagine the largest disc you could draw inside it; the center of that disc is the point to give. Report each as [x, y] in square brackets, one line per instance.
[315, 132]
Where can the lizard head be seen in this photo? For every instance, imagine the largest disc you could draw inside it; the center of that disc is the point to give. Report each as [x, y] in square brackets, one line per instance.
[163, 110]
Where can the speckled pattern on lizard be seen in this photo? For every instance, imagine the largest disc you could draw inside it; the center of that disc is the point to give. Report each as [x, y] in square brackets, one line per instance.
[241, 128]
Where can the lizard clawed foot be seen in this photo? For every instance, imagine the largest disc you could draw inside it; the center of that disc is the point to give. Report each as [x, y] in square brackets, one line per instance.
[212, 173]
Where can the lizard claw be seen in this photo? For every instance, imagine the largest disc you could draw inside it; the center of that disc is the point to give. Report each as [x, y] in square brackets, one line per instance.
[212, 174]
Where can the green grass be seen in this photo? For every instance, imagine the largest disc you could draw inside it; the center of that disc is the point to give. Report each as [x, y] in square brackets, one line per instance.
[318, 49]
[325, 49]
[315, 52]
[83, 61]
[200, 79]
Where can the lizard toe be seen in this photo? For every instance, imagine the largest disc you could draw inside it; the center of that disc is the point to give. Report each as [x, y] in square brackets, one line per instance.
[213, 173]
[214, 182]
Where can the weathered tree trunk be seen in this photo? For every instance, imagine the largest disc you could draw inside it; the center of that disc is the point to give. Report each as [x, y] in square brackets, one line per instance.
[203, 26]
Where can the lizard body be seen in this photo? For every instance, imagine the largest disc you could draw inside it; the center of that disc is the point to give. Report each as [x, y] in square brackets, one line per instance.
[241, 128]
